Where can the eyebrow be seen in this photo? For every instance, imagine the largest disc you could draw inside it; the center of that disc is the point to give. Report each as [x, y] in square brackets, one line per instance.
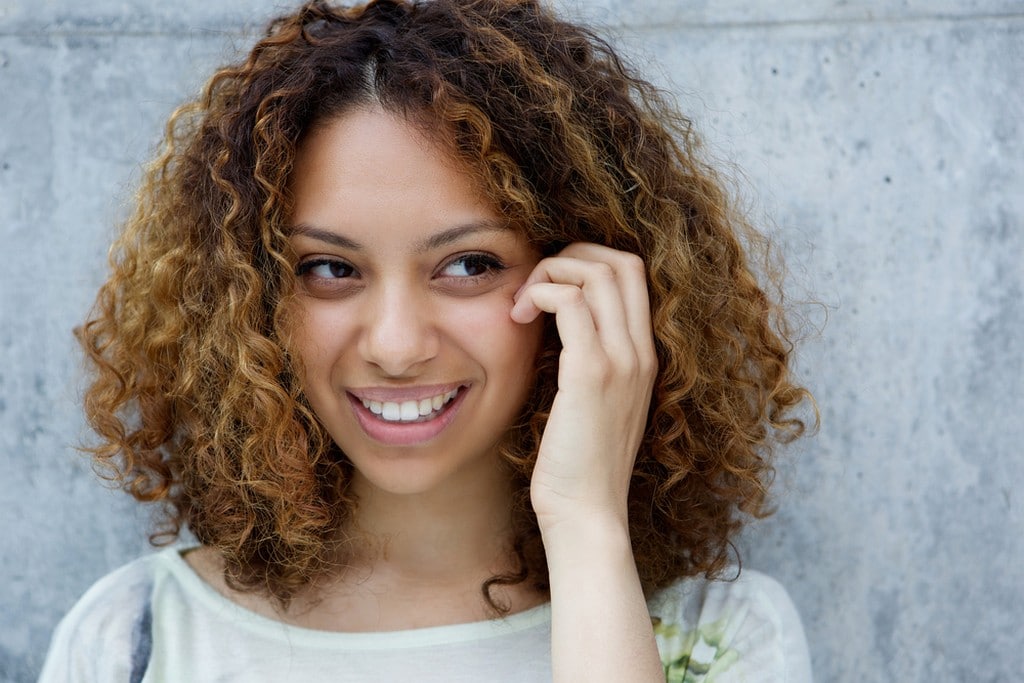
[435, 241]
[452, 235]
[326, 236]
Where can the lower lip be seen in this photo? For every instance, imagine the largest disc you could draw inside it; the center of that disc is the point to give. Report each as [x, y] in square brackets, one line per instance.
[405, 433]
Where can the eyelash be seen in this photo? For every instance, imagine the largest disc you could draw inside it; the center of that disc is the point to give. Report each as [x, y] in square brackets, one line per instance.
[305, 268]
[488, 263]
[491, 265]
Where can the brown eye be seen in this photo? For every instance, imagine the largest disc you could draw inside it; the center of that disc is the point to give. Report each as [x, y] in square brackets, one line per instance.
[327, 269]
[472, 265]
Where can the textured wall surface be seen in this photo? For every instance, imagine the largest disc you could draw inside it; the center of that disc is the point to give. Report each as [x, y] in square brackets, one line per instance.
[882, 141]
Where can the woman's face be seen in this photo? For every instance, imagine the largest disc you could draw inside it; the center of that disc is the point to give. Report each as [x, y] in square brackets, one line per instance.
[405, 283]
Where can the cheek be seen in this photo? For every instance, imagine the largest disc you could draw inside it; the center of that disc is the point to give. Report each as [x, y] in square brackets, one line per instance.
[498, 342]
[318, 336]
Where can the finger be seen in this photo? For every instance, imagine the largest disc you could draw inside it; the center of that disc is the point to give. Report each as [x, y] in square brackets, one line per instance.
[600, 288]
[631, 277]
[573, 319]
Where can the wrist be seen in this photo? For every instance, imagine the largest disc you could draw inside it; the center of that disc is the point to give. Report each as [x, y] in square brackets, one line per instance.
[584, 538]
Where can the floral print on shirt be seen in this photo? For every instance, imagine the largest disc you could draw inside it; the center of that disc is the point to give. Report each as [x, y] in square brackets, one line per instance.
[694, 656]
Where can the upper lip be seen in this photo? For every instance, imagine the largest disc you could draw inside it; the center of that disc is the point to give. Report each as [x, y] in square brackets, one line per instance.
[401, 394]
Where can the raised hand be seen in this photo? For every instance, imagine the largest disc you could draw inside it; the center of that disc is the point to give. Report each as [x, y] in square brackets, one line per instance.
[606, 372]
[600, 627]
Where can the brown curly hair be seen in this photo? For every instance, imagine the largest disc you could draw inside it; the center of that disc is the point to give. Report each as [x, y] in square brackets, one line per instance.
[195, 396]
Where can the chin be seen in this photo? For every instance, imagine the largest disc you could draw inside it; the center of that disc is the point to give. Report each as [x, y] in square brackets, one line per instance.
[420, 472]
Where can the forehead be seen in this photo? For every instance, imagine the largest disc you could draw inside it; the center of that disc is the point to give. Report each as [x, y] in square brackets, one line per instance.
[371, 146]
[370, 172]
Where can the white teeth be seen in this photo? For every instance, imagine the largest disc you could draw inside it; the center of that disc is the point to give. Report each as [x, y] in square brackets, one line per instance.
[409, 411]
[391, 412]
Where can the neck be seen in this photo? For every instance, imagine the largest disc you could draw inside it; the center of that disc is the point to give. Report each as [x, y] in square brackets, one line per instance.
[458, 534]
[421, 559]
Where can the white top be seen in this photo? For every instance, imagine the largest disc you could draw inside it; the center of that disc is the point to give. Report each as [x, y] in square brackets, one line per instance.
[156, 620]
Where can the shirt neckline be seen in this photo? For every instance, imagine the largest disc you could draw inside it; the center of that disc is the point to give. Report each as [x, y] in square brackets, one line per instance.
[207, 596]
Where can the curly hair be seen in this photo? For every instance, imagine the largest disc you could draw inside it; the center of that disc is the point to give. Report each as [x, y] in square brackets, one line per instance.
[195, 396]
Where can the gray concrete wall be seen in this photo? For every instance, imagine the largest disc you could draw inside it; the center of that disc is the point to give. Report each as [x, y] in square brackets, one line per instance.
[881, 140]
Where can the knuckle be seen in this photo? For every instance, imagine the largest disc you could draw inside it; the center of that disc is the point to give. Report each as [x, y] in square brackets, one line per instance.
[575, 296]
[633, 263]
[604, 271]
[601, 374]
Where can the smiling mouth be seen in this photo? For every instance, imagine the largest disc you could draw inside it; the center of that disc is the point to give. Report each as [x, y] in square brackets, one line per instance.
[423, 410]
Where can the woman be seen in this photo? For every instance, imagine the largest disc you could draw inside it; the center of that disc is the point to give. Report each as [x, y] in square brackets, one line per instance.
[433, 329]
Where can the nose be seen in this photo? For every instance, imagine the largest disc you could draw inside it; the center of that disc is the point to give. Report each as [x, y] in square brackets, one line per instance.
[400, 334]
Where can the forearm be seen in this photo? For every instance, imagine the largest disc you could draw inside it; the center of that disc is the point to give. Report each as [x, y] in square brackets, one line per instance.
[600, 627]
